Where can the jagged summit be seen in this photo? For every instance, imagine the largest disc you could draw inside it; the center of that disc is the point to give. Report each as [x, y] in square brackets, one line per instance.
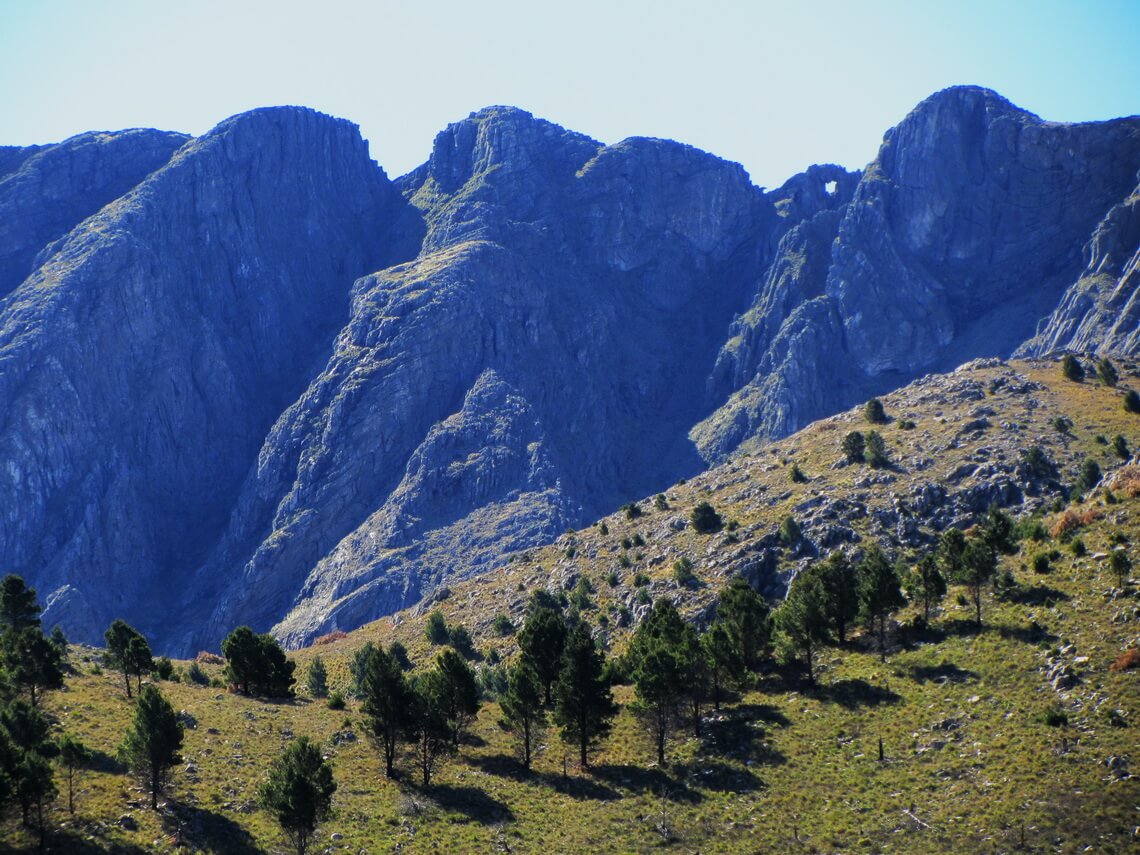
[248, 379]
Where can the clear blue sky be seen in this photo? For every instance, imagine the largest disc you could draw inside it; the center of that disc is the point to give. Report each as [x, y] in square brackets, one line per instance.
[775, 85]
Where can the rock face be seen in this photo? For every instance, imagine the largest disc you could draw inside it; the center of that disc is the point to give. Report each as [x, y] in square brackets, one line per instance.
[254, 381]
[147, 356]
[963, 232]
[1100, 312]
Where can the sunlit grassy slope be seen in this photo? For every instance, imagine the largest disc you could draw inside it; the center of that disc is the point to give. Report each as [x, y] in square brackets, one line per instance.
[969, 763]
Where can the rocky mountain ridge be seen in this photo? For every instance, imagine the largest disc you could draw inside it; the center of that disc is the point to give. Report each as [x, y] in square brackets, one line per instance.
[330, 392]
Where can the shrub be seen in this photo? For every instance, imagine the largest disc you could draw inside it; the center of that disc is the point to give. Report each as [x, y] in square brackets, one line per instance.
[705, 519]
[204, 657]
[1041, 563]
[436, 628]
[330, 637]
[876, 452]
[1055, 717]
[603, 529]
[660, 502]
[196, 675]
[1127, 660]
[1131, 401]
[640, 580]
[638, 540]
[632, 510]
[643, 596]
[1089, 475]
[906, 424]
[874, 413]
[336, 701]
[796, 474]
[460, 639]
[612, 579]
[1036, 463]
[683, 571]
[163, 668]
[1062, 424]
[503, 625]
[853, 447]
[1072, 369]
[789, 531]
[1106, 372]
[1120, 447]
[1077, 547]
[625, 562]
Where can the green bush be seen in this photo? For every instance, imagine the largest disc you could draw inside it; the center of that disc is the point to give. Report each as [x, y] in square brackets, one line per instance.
[1106, 371]
[705, 519]
[683, 571]
[1072, 369]
[874, 413]
[796, 474]
[163, 668]
[503, 625]
[336, 701]
[1131, 401]
[853, 447]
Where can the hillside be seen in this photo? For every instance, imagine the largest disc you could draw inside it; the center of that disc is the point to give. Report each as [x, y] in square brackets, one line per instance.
[969, 761]
[249, 378]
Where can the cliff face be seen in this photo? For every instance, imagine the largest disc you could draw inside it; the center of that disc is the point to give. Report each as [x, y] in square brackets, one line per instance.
[247, 379]
[963, 232]
[538, 363]
[152, 348]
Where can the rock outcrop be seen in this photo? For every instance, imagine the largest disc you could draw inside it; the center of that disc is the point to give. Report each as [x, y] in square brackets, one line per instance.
[964, 231]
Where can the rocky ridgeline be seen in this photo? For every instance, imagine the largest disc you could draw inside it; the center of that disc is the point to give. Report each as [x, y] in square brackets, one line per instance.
[248, 379]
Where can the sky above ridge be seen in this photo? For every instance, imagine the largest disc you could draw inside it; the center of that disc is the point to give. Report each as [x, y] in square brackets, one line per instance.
[776, 86]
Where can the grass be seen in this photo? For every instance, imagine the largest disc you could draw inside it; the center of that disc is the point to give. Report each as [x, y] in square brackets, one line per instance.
[969, 760]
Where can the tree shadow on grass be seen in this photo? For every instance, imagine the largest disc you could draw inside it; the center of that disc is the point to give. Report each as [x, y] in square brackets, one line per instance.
[739, 735]
[852, 694]
[947, 672]
[1034, 633]
[641, 780]
[79, 842]
[575, 786]
[723, 777]
[196, 828]
[472, 802]
[1036, 595]
[101, 761]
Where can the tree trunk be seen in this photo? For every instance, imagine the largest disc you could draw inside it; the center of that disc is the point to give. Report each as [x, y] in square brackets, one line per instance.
[978, 604]
[662, 726]
[697, 717]
[811, 671]
[127, 680]
[154, 787]
[582, 745]
[883, 637]
[70, 789]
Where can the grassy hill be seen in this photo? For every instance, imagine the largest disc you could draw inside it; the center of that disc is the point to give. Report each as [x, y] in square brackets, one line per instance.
[1015, 737]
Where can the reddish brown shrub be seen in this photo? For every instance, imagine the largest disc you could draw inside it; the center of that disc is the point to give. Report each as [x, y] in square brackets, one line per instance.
[1126, 660]
[329, 638]
[207, 658]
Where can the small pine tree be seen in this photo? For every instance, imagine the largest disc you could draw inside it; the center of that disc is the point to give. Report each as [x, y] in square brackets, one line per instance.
[802, 619]
[1106, 371]
[927, 584]
[126, 650]
[386, 702]
[436, 629]
[1120, 447]
[318, 679]
[725, 662]
[978, 566]
[1072, 369]
[584, 707]
[428, 728]
[840, 583]
[789, 531]
[256, 664]
[151, 746]
[298, 792]
[541, 644]
[705, 519]
[1121, 565]
[854, 447]
[31, 660]
[880, 592]
[522, 708]
[745, 616]
[73, 755]
[1088, 477]
[876, 451]
[874, 413]
[1131, 401]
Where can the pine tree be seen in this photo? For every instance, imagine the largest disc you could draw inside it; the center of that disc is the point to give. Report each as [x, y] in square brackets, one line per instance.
[429, 729]
[541, 642]
[584, 707]
[745, 616]
[151, 746]
[725, 661]
[18, 606]
[31, 660]
[124, 650]
[876, 451]
[927, 584]
[299, 791]
[386, 702]
[1106, 371]
[880, 593]
[461, 692]
[854, 447]
[656, 668]
[256, 664]
[978, 566]
[1072, 369]
[139, 660]
[522, 707]
[840, 582]
[24, 766]
[318, 679]
[802, 619]
[73, 755]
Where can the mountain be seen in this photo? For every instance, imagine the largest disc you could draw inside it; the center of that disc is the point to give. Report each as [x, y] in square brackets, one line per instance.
[267, 385]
